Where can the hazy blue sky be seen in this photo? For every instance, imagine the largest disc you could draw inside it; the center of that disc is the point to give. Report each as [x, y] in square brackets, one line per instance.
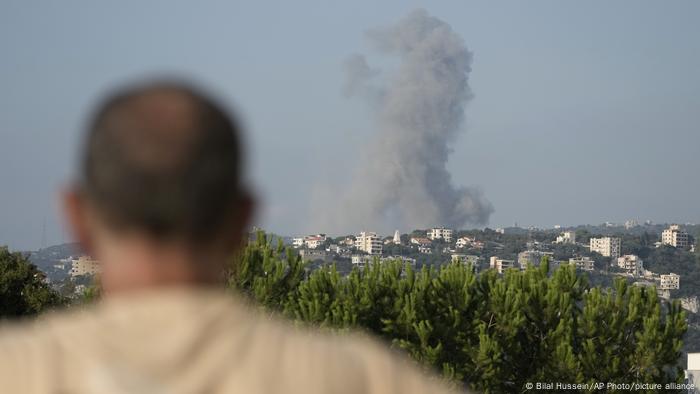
[584, 111]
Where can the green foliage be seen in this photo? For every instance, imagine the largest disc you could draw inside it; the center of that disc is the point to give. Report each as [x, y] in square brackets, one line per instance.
[266, 274]
[494, 333]
[23, 291]
[92, 292]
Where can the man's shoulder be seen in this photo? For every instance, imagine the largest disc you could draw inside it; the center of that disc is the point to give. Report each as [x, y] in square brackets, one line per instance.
[30, 359]
[235, 340]
[26, 330]
[345, 362]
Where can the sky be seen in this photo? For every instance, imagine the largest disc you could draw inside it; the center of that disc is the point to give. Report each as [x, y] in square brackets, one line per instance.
[583, 112]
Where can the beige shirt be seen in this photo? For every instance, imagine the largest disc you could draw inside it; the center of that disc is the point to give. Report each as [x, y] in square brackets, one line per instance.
[192, 341]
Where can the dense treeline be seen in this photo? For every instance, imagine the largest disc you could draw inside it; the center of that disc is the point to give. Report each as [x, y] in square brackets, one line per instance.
[493, 333]
[23, 290]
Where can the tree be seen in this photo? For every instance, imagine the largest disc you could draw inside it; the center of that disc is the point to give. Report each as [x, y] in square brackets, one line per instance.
[266, 274]
[491, 332]
[23, 290]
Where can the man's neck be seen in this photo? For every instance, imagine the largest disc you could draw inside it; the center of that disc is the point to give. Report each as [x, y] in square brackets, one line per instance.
[141, 265]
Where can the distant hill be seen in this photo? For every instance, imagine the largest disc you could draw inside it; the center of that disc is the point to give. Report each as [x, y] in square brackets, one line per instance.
[49, 260]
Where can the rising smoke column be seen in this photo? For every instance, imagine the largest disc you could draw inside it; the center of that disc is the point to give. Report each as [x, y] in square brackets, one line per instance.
[402, 179]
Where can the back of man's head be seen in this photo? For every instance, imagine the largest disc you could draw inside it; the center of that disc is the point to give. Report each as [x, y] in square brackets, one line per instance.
[163, 159]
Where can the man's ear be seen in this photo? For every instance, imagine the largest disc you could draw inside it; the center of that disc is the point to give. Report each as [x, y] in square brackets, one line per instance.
[76, 213]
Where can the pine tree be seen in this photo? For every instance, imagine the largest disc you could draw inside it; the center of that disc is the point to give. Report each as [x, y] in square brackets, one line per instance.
[266, 274]
[491, 332]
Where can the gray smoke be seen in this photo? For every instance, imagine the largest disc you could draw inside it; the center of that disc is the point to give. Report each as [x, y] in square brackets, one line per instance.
[402, 179]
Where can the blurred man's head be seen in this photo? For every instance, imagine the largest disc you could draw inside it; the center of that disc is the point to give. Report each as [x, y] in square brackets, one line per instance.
[161, 171]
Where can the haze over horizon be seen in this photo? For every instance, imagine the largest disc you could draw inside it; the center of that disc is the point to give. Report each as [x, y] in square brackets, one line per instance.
[582, 112]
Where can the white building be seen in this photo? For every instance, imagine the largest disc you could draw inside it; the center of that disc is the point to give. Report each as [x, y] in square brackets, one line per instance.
[314, 241]
[465, 258]
[631, 263]
[337, 249]
[607, 246]
[397, 237]
[368, 242]
[532, 257]
[500, 265]
[670, 282]
[583, 263]
[420, 241]
[440, 233]
[84, 265]
[567, 237]
[425, 249]
[692, 373]
[464, 242]
[310, 241]
[675, 237]
[361, 260]
[690, 304]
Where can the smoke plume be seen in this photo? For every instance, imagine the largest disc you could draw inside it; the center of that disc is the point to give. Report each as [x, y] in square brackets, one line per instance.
[401, 180]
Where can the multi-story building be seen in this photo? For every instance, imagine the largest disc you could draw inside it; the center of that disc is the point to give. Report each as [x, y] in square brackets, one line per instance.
[500, 265]
[670, 282]
[583, 263]
[458, 257]
[692, 372]
[567, 237]
[607, 246]
[465, 258]
[675, 237]
[369, 243]
[361, 260]
[425, 249]
[631, 263]
[442, 233]
[464, 242]
[532, 257]
[84, 265]
[314, 241]
[310, 241]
